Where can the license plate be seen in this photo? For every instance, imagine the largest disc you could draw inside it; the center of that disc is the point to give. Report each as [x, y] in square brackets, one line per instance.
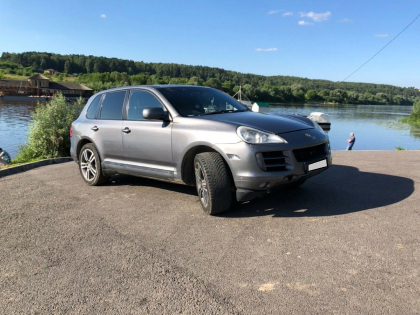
[317, 165]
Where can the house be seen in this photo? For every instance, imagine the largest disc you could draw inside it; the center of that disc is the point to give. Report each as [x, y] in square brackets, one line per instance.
[50, 71]
[39, 85]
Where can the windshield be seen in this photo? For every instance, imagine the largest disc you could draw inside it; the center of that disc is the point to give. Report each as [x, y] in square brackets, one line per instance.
[198, 101]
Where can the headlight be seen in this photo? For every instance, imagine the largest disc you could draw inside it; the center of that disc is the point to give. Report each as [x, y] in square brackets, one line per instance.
[251, 135]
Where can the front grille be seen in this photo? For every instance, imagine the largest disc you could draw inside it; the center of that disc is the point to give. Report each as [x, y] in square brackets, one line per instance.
[275, 161]
[311, 153]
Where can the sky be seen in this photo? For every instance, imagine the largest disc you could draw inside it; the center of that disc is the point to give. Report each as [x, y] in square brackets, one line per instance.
[321, 39]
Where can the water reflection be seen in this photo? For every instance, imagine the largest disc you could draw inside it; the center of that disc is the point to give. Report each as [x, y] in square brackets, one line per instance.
[376, 127]
[14, 121]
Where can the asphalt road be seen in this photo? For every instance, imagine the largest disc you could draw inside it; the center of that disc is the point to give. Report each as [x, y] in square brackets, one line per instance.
[347, 241]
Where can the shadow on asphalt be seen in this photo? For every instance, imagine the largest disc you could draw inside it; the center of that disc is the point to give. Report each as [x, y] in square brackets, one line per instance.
[339, 190]
[127, 180]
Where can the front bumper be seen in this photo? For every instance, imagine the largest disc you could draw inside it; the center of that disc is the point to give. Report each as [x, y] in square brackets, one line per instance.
[252, 181]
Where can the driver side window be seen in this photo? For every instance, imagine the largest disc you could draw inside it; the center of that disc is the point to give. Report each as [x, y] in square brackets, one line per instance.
[140, 100]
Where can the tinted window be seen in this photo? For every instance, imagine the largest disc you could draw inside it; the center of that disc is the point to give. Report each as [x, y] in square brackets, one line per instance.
[112, 105]
[93, 107]
[197, 101]
[140, 100]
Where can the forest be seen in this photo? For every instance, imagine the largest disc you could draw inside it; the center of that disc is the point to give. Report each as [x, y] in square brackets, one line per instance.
[101, 73]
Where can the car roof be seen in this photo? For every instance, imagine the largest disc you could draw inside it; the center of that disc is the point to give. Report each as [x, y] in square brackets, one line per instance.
[151, 87]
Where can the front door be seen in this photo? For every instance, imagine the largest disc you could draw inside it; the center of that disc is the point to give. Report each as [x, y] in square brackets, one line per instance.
[147, 143]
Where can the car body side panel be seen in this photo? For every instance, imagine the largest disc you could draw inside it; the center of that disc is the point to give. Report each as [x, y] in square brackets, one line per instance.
[148, 148]
[188, 133]
[108, 140]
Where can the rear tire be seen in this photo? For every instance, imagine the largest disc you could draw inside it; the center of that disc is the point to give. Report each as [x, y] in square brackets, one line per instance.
[212, 182]
[90, 165]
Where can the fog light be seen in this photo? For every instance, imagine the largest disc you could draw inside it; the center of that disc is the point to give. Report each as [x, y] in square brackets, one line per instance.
[263, 185]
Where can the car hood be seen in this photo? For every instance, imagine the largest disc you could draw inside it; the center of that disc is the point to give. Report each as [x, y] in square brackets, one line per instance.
[271, 123]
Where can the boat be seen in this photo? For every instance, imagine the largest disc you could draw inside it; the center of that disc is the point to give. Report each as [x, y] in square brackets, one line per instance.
[246, 102]
[260, 107]
[322, 119]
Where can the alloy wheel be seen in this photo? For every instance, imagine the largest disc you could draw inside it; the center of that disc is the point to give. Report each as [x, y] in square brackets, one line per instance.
[88, 165]
[201, 182]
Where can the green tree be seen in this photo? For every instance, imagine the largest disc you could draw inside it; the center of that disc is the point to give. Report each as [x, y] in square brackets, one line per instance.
[311, 95]
[89, 65]
[67, 67]
[415, 114]
[43, 64]
[214, 83]
[195, 81]
[48, 135]
[228, 86]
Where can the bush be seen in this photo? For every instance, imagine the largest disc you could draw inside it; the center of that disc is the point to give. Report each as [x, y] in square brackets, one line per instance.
[414, 117]
[48, 135]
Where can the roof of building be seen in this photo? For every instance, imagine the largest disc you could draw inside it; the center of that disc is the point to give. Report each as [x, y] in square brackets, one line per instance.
[68, 86]
[38, 77]
[49, 70]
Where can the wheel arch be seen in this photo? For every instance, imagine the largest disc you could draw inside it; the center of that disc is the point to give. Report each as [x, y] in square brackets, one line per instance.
[187, 166]
[80, 145]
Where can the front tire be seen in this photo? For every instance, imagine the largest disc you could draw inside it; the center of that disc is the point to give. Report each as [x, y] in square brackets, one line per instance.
[90, 165]
[212, 182]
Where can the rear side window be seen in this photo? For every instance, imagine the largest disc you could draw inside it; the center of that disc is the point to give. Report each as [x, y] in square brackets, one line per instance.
[93, 107]
[112, 106]
[140, 100]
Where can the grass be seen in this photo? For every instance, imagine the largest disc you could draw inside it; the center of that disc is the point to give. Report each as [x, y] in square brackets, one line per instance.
[15, 77]
[19, 162]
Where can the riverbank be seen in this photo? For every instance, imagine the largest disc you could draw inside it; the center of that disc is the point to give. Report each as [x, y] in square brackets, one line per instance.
[33, 98]
[11, 169]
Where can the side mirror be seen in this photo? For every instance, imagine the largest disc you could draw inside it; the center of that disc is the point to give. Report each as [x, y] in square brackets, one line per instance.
[154, 113]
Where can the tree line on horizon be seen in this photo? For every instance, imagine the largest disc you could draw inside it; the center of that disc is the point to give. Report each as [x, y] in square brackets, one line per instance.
[101, 73]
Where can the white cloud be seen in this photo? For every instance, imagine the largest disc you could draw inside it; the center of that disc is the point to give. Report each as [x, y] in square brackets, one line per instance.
[317, 17]
[346, 20]
[381, 35]
[103, 16]
[274, 11]
[265, 49]
[287, 13]
[304, 23]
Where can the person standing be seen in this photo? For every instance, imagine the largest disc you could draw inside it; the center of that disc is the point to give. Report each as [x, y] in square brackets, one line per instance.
[4, 157]
[351, 141]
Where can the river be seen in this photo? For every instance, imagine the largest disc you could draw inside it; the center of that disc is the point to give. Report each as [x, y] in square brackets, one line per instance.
[376, 127]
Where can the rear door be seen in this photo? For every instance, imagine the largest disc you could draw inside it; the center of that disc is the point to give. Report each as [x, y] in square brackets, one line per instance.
[106, 130]
[147, 143]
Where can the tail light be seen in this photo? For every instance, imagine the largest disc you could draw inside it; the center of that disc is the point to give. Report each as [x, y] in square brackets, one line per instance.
[71, 130]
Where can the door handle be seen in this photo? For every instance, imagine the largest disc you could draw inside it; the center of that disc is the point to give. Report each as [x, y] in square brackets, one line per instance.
[126, 130]
[95, 128]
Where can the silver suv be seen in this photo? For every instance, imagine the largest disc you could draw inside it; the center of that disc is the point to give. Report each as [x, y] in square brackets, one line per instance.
[195, 136]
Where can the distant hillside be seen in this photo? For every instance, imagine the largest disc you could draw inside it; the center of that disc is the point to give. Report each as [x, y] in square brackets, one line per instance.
[101, 73]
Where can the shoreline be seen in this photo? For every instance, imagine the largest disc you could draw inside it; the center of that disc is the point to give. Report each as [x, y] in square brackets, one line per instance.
[33, 98]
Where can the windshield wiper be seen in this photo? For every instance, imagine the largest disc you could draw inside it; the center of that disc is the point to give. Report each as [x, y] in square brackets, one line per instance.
[224, 111]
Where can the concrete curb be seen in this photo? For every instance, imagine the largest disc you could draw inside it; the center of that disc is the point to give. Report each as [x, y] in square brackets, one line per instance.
[28, 166]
